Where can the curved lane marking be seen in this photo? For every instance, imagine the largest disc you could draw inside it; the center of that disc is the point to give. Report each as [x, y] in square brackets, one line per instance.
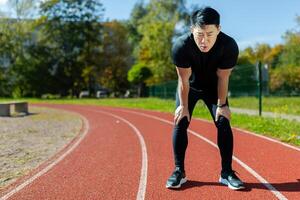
[242, 130]
[51, 165]
[256, 134]
[249, 169]
[143, 178]
[270, 139]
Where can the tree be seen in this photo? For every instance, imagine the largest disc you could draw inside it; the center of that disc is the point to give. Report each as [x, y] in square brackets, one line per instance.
[117, 53]
[272, 58]
[14, 54]
[259, 53]
[244, 77]
[137, 13]
[138, 74]
[7, 55]
[247, 56]
[291, 49]
[157, 29]
[285, 80]
[72, 30]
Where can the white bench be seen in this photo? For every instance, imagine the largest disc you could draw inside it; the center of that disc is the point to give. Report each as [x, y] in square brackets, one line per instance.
[20, 107]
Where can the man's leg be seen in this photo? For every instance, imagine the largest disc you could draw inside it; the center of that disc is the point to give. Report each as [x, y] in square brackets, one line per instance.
[180, 138]
[180, 142]
[225, 144]
[225, 137]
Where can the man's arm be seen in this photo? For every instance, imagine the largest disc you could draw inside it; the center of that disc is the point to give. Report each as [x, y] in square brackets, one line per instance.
[223, 81]
[183, 92]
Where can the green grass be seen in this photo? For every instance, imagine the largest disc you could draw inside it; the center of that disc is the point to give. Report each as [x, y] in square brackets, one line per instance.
[287, 105]
[284, 130]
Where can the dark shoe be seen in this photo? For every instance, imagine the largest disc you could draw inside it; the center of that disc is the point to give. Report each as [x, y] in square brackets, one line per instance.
[176, 179]
[231, 180]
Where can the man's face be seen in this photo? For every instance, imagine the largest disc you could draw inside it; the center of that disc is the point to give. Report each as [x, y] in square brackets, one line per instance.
[206, 36]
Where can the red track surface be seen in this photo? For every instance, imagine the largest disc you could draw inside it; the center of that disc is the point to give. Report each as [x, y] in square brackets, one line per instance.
[107, 163]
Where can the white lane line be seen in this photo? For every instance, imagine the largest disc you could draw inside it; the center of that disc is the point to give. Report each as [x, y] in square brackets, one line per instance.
[55, 162]
[143, 178]
[234, 128]
[257, 135]
[249, 169]
[270, 139]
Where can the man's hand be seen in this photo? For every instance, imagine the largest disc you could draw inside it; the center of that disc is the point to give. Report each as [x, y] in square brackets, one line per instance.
[224, 111]
[181, 112]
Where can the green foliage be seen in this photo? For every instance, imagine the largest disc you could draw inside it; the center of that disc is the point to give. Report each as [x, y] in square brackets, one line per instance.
[252, 55]
[273, 57]
[157, 29]
[71, 30]
[63, 51]
[14, 41]
[285, 80]
[117, 54]
[17, 93]
[134, 37]
[139, 73]
[49, 54]
[7, 53]
[155, 51]
[262, 51]
[17, 35]
[283, 61]
[291, 50]
[68, 49]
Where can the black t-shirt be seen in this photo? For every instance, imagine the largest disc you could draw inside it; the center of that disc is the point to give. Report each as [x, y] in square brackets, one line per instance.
[222, 55]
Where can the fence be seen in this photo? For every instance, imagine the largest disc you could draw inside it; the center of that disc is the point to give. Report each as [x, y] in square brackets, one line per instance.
[243, 82]
[165, 90]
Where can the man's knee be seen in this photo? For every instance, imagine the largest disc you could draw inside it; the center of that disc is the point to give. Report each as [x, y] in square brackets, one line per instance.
[183, 124]
[223, 123]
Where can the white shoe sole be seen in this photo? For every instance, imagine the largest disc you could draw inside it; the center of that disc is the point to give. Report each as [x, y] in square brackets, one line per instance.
[182, 181]
[225, 182]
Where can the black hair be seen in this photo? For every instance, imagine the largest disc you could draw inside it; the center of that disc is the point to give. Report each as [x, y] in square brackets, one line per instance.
[205, 16]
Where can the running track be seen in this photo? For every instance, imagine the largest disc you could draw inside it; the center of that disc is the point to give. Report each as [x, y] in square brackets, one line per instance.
[127, 154]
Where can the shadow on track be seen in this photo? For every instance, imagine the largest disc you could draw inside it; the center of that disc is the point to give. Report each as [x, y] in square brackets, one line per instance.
[281, 187]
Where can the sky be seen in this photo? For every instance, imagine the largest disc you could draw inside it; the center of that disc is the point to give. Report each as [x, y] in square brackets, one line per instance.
[248, 22]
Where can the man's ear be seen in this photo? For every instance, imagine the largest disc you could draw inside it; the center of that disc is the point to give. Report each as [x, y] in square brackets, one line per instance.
[219, 28]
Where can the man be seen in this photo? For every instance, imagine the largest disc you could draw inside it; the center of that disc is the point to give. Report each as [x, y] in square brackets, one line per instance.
[204, 60]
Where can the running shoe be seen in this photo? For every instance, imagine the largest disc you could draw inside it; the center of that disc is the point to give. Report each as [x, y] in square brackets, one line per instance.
[176, 179]
[231, 180]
